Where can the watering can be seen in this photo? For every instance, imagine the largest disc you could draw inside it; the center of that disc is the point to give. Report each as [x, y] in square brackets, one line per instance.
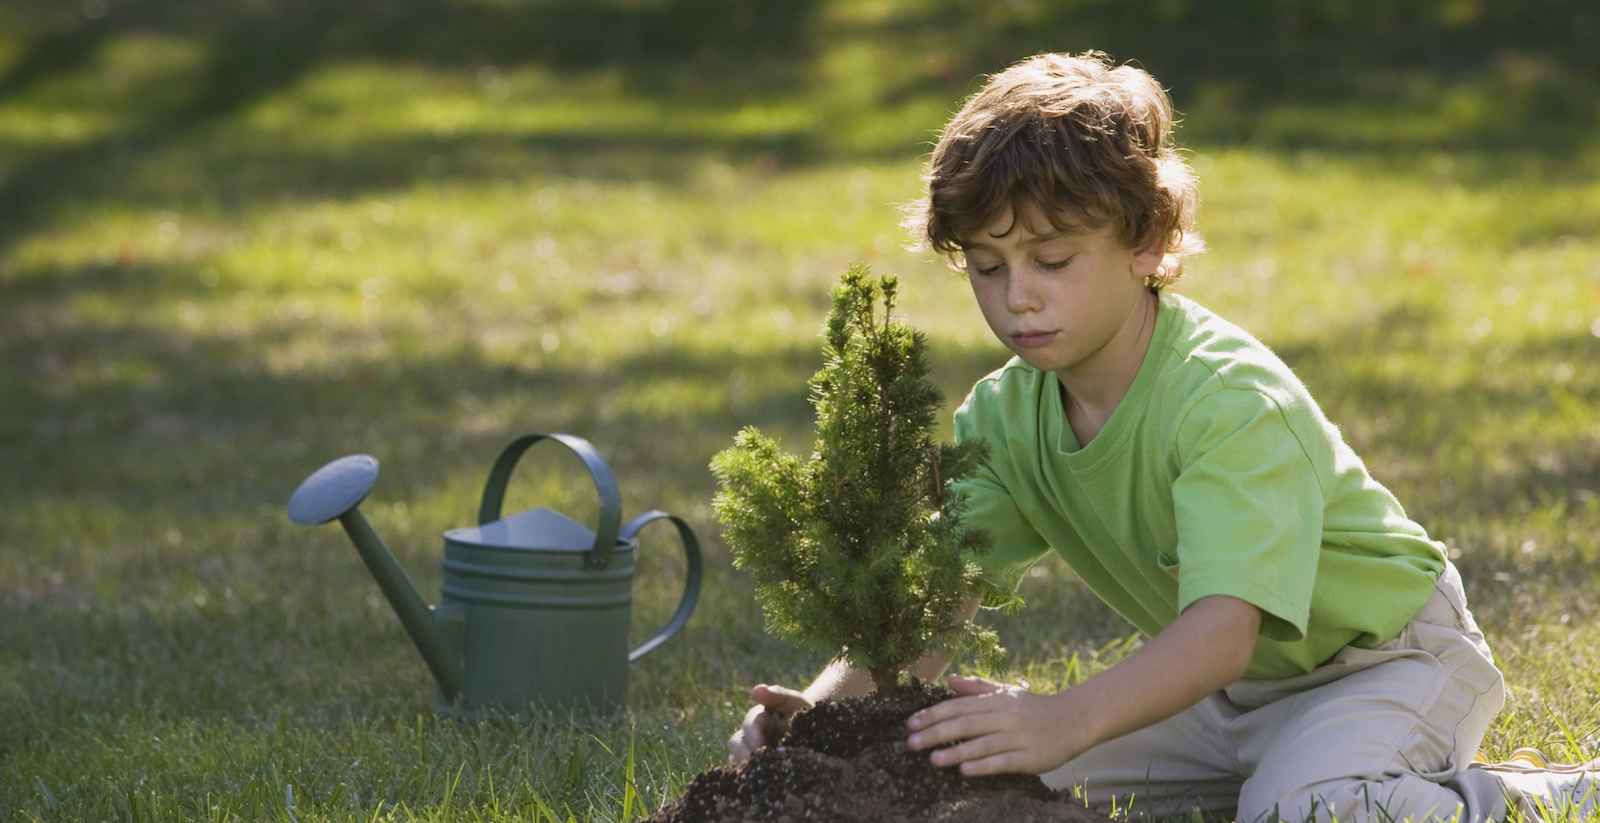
[535, 607]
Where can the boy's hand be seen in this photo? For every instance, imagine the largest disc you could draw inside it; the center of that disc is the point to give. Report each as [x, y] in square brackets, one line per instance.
[1003, 728]
[766, 722]
[1010, 729]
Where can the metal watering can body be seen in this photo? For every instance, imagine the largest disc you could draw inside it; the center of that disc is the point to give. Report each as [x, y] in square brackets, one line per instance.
[535, 608]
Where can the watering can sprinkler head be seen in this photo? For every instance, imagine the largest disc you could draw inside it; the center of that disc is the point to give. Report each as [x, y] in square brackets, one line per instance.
[334, 489]
[535, 606]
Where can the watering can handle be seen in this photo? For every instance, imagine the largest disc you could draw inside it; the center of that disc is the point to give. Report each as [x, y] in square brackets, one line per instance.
[605, 533]
[691, 578]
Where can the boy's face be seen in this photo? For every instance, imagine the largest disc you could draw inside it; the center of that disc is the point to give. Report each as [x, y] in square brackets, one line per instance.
[1059, 299]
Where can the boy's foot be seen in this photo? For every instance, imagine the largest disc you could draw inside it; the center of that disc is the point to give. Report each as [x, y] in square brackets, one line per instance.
[1550, 791]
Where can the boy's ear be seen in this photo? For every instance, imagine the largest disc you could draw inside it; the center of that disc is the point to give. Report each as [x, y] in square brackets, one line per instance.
[1147, 260]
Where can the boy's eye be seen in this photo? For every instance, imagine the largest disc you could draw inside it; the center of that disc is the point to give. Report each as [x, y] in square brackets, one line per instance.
[981, 270]
[1054, 265]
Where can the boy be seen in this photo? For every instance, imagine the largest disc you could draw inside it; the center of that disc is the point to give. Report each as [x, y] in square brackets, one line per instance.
[1310, 652]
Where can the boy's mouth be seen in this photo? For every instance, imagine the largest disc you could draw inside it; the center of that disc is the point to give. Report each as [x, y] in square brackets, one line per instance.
[1033, 339]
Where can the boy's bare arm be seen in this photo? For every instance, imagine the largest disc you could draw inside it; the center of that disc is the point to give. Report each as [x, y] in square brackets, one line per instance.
[1010, 729]
[769, 718]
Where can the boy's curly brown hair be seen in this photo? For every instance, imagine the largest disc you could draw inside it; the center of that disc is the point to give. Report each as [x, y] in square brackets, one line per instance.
[1087, 143]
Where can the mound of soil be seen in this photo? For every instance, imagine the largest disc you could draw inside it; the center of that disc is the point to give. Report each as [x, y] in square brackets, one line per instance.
[846, 762]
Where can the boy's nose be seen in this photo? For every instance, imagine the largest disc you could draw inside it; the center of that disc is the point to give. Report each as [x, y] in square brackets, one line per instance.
[1021, 294]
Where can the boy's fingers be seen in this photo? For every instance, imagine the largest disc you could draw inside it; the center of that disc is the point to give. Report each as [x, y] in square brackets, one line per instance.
[988, 746]
[951, 709]
[972, 685]
[738, 750]
[1003, 763]
[760, 727]
[939, 714]
[996, 753]
[744, 742]
[760, 724]
[966, 727]
[780, 700]
[766, 721]
[769, 718]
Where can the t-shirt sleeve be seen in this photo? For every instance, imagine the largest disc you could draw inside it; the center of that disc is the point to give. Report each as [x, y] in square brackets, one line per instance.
[1249, 508]
[1015, 544]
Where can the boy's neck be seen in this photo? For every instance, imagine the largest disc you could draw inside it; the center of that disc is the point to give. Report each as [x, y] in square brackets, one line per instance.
[1092, 390]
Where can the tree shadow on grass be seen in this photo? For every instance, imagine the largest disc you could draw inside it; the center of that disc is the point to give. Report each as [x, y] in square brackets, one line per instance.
[728, 47]
[200, 404]
[232, 182]
[255, 50]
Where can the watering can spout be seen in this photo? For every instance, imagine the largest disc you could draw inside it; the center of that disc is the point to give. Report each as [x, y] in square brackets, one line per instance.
[334, 492]
[436, 630]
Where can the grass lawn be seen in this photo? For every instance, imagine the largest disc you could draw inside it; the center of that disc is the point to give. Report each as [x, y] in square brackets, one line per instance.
[217, 272]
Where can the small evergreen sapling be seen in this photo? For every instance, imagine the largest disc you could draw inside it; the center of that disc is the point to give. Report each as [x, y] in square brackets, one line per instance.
[862, 551]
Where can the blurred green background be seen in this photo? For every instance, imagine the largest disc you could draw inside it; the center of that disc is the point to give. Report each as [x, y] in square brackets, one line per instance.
[239, 239]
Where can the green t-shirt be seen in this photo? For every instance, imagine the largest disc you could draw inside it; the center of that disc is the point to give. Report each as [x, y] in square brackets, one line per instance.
[1217, 474]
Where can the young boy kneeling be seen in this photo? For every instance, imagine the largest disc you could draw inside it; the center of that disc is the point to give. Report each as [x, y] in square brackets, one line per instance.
[1310, 650]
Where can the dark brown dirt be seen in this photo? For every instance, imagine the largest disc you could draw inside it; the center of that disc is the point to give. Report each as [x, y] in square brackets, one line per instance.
[847, 762]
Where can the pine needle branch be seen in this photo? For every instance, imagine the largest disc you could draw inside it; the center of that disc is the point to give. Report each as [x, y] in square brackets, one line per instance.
[862, 551]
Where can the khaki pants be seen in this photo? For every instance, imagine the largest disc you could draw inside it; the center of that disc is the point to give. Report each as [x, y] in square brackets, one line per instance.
[1373, 734]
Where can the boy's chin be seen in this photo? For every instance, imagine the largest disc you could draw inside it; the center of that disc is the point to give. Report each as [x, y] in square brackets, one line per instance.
[1036, 359]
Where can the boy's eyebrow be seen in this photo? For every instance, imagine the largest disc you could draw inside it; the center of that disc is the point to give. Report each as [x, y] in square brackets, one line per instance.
[1034, 240]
